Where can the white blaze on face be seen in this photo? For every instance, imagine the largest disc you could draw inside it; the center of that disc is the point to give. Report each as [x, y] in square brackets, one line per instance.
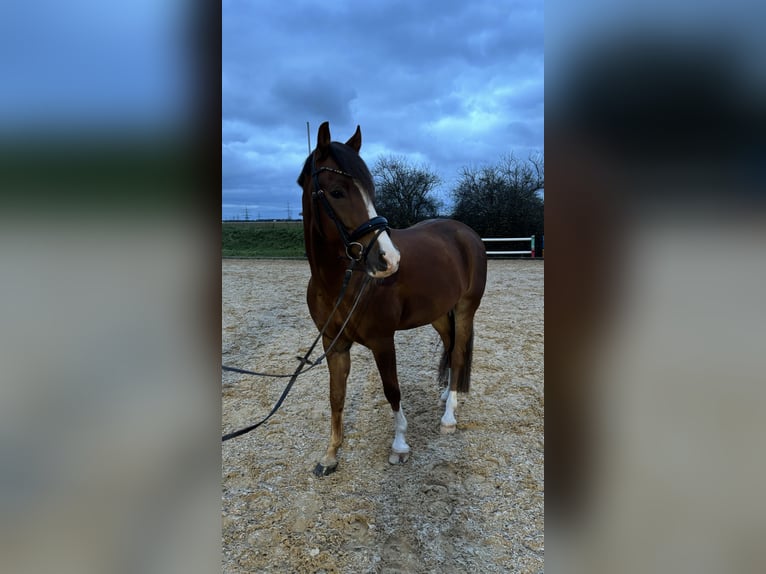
[388, 251]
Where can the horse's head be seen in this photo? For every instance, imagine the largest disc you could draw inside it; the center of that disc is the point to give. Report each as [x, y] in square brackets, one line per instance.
[339, 196]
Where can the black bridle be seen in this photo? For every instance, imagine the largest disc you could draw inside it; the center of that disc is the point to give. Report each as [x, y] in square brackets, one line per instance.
[376, 225]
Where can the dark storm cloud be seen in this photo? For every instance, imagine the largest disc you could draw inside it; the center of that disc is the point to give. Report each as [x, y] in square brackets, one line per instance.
[447, 84]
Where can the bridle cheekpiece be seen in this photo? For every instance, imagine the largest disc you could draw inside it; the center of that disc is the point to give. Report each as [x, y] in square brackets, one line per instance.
[376, 225]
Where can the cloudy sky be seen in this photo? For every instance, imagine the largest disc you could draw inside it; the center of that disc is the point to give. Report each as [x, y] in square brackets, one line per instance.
[443, 83]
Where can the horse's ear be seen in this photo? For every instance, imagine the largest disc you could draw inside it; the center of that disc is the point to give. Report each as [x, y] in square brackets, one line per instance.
[323, 139]
[355, 141]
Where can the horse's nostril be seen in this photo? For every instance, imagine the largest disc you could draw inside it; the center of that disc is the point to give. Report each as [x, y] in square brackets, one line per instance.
[382, 263]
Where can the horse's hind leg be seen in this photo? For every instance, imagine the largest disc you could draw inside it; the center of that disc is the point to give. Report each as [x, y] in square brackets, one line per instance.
[385, 358]
[460, 360]
[339, 364]
[445, 326]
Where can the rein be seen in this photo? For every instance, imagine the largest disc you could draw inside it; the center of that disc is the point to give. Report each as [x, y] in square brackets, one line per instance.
[305, 359]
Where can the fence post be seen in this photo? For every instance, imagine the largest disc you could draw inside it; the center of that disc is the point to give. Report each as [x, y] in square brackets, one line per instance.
[532, 247]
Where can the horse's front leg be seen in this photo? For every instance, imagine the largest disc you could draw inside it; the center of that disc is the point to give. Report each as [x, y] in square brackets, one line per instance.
[339, 365]
[385, 358]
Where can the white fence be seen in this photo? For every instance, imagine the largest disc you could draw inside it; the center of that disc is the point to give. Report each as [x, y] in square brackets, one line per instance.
[530, 252]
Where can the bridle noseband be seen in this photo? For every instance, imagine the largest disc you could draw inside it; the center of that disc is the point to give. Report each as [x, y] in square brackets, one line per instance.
[351, 240]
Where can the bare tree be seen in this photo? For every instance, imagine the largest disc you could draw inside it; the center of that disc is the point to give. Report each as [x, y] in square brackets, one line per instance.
[405, 192]
[502, 200]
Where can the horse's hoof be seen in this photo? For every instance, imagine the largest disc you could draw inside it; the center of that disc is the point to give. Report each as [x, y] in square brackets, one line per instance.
[448, 429]
[320, 470]
[399, 457]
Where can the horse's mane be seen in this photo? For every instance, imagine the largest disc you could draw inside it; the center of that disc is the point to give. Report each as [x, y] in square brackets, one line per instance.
[349, 161]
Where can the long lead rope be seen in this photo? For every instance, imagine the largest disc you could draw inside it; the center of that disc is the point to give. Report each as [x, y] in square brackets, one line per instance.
[305, 359]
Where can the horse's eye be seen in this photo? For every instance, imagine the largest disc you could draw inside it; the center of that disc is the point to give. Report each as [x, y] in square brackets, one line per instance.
[337, 193]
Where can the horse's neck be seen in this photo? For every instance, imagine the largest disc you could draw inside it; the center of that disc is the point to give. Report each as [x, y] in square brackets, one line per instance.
[327, 268]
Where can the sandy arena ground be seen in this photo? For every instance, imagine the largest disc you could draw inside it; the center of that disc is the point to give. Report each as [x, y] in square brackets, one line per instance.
[467, 502]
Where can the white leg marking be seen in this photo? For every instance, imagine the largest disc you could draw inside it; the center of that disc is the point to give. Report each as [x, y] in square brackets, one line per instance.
[448, 420]
[400, 445]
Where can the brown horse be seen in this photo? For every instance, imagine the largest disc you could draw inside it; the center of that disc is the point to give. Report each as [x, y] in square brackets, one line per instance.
[431, 273]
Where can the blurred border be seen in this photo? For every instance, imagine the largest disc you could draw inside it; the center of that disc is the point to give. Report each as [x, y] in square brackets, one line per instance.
[110, 305]
[655, 215]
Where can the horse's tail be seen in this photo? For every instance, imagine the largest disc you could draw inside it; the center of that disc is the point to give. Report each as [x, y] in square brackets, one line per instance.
[464, 380]
[464, 377]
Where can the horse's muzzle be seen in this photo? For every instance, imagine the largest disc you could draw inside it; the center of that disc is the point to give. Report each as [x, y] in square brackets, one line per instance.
[383, 259]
